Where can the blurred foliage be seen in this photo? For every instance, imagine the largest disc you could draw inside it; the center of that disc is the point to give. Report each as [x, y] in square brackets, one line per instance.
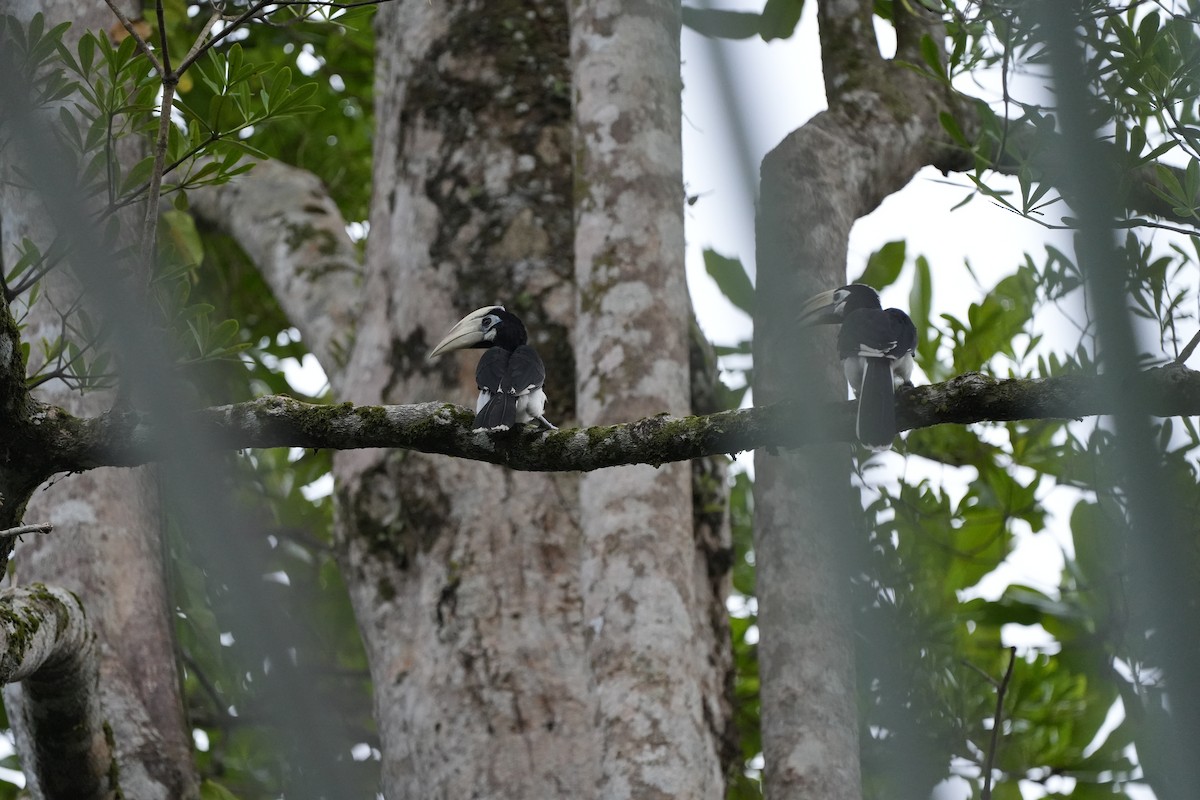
[777, 20]
[241, 99]
[294, 532]
[105, 100]
[333, 59]
[931, 651]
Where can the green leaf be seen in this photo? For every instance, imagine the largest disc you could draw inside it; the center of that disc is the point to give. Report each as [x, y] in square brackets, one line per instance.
[280, 84]
[233, 62]
[137, 176]
[884, 265]
[920, 301]
[731, 279]
[211, 790]
[717, 24]
[1007, 790]
[931, 54]
[779, 19]
[179, 241]
[950, 125]
[221, 335]
[87, 52]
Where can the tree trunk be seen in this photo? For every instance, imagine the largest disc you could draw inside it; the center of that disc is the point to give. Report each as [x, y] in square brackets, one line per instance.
[881, 127]
[464, 576]
[655, 660]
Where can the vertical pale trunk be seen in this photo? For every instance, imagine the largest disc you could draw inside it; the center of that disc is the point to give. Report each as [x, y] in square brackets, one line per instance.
[802, 498]
[650, 642]
[464, 576]
[881, 127]
[106, 546]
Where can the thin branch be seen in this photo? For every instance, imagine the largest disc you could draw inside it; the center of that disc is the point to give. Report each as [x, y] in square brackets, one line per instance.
[981, 672]
[12, 533]
[1187, 351]
[233, 25]
[253, 13]
[162, 39]
[988, 763]
[133, 195]
[142, 44]
[150, 224]
[48, 261]
[198, 45]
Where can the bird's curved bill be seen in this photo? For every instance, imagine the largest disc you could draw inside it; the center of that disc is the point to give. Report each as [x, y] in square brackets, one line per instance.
[820, 309]
[467, 332]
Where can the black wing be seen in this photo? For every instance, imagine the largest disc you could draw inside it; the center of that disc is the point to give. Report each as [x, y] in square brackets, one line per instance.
[883, 340]
[872, 333]
[499, 407]
[503, 379]
[905, 330]
[526, 371]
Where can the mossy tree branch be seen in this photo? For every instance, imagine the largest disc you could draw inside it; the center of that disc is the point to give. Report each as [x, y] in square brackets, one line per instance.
[70, 444]
[46, 642]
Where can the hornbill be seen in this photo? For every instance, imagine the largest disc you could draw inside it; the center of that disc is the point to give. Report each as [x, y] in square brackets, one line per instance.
[510, 374]
[876, 348]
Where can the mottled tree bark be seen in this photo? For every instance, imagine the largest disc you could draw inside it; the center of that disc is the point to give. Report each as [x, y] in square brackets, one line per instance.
[49, 647]
[464, 576]
[106, 547]
[654, 657]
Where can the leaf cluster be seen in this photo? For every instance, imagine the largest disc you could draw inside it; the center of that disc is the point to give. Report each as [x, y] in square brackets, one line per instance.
[106, 97]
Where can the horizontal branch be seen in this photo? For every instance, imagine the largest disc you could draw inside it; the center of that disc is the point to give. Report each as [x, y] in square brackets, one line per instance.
[130, 438]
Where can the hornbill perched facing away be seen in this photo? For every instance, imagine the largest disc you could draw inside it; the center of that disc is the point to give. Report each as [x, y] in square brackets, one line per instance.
[876, 349]
[510, 374]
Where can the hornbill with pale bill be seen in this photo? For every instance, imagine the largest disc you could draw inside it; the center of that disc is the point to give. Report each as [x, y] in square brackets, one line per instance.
[510, 374]
[876, 348]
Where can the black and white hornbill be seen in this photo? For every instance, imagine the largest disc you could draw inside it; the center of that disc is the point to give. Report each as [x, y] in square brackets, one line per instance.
[876, 348]
[510, 374]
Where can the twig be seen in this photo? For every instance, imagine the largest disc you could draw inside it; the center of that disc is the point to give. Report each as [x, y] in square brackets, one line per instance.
[12, 533]
[233, 25]
[142, 44]
[982, 672]
[150, 225]
[1186, 353]
[1001, 688]
[199, 43]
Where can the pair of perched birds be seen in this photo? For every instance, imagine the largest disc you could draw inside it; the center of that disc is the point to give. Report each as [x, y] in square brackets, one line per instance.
[875, 346]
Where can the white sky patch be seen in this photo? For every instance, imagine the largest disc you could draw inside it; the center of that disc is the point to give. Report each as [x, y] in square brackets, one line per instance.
[307, 61]
[321, 487]
[305, 375]
[8, 748]
[279, 577]
[363, 751]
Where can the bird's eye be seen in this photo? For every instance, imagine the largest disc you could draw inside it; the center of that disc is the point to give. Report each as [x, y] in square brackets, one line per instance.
[489, 321]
